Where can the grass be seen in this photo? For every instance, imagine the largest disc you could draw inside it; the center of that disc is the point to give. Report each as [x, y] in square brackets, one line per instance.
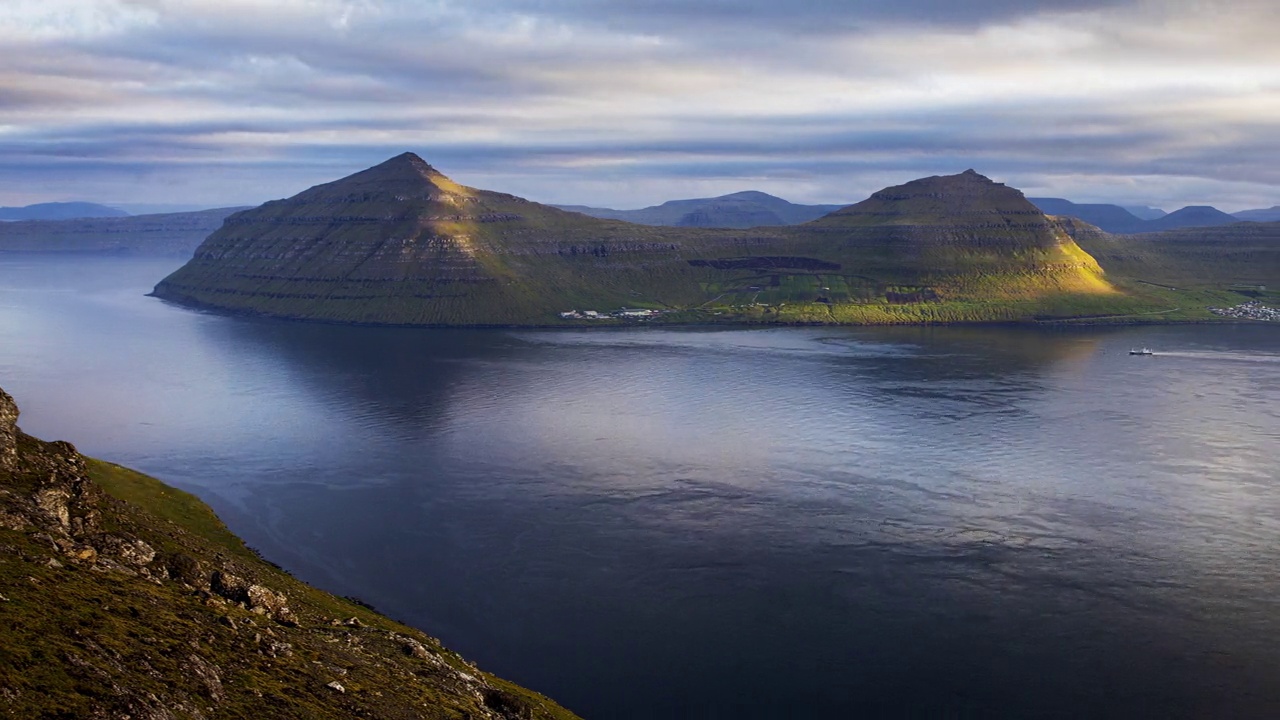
[168, 504]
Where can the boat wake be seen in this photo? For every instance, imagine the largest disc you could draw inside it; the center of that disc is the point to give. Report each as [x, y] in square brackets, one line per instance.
[1221, 356]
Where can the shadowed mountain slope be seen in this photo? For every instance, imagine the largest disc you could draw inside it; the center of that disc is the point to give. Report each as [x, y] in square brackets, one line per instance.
[402, 244]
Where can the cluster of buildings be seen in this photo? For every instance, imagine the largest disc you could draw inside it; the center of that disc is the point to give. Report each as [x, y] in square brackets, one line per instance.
[623, 314]
[1252, 310]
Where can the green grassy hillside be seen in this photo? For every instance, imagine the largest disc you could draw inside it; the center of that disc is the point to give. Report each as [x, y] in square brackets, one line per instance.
[401, 243]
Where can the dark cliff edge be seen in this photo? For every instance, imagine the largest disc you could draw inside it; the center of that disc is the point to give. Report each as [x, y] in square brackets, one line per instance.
[121, 597]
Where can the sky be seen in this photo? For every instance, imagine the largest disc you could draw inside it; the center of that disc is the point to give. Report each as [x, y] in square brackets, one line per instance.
[626, 103]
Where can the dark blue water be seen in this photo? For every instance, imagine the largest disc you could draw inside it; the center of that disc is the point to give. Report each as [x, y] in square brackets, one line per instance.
[766, 523]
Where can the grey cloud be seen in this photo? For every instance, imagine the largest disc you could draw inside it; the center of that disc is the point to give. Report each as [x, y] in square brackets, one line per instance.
[683, 16]
[478, 99]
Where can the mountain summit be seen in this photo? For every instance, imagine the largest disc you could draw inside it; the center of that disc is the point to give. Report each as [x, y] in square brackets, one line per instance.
[403, 177]
[942, 200]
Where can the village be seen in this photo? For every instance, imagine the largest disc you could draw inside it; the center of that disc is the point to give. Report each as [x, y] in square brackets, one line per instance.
[1252, 310]
[620, 314]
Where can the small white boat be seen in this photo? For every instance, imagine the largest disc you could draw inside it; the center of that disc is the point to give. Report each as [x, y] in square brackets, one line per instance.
[1143, 351]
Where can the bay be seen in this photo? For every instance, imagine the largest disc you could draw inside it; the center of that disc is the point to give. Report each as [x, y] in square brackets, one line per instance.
[720, 523]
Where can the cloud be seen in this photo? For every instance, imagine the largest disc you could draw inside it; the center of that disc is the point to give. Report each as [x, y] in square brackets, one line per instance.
[628, 102]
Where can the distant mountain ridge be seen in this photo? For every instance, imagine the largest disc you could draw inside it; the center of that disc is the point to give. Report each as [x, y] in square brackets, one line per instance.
[1119, 220]
[741, 210]
[168, 234]
[60, 211]
[1191, 216]
[1271, 214]
[1145, 212]
[1111, 218]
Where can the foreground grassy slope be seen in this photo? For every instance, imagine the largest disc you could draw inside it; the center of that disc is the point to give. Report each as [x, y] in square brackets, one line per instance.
[123, 597]
[402, 244]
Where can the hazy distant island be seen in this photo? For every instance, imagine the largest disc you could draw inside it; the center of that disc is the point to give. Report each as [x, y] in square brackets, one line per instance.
[401, 244]
[167, 234]
[60, 211]
[161, 612]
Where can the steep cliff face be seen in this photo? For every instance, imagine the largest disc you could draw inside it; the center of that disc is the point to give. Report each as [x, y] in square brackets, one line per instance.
[402, 244]
[122, 597]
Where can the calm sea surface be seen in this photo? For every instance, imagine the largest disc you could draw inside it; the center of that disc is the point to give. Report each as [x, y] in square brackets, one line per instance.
[767, 523]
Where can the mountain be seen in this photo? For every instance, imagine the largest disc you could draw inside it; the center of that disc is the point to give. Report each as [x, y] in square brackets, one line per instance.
[123, 597]
[739, 210]
[1111, 218]
[400, 243]
[175, 234]
[1145, 212]
[1191, 216]
[1271, 214]
[1115, 219]
[60, 211]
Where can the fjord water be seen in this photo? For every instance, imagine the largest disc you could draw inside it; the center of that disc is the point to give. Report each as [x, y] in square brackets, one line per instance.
[721, 523]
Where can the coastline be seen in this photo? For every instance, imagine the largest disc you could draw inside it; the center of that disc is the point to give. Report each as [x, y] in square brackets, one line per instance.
[738, 322]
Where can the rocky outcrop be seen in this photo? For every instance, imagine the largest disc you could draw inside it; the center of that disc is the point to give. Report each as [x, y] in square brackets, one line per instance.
[112, 609]
[8, 431]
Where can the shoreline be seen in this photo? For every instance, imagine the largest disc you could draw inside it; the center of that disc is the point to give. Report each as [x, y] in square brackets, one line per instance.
[1083, 321]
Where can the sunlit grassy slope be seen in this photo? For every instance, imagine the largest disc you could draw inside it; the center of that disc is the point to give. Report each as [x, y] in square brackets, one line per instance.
[402, 244]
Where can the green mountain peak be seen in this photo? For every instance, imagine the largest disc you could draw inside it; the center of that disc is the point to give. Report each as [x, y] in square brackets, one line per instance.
[941, 200]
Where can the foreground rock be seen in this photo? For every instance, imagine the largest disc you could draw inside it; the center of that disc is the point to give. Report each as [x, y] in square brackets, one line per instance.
[122, 597]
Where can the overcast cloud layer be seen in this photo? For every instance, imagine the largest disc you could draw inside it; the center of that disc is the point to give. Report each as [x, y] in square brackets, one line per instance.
[630, 102]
